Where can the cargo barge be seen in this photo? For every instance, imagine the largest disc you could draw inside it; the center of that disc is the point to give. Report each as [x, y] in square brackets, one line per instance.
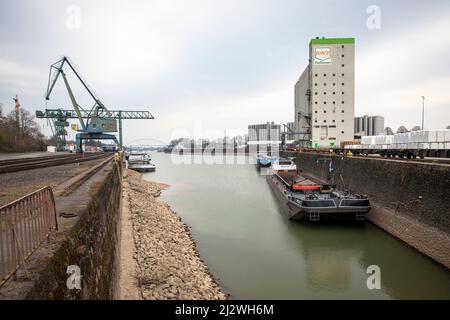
[304, 200]
[140, 162]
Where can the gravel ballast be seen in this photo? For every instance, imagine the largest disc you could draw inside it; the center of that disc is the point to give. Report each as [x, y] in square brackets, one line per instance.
[167, 262]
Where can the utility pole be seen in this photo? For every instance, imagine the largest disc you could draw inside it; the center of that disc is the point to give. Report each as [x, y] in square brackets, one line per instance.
[423, 113]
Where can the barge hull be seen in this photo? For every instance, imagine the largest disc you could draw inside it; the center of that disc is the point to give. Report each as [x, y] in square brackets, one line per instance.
[298, 213]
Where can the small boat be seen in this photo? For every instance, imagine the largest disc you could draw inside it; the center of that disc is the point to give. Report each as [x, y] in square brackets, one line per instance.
[304, 200]
[282, 164]
[264, 161]
[140, 162]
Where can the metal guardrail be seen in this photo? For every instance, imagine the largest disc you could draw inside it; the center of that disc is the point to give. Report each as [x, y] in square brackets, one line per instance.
[24, 225]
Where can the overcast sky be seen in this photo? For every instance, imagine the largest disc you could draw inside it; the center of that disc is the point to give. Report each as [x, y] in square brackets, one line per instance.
[217, 65]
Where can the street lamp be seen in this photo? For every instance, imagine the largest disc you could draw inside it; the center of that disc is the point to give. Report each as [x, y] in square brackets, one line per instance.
[423, 113]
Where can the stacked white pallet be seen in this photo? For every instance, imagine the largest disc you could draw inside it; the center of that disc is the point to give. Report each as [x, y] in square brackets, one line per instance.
[401, 140]
[422, 140]
[447, 139]
[367, 140]
[442, 140]
[430, 139]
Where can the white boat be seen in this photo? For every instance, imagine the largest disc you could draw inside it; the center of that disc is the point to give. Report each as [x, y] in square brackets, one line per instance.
[283, 165]
[140, 162]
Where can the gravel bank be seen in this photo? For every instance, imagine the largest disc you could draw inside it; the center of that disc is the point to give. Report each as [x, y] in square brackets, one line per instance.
[167, 262]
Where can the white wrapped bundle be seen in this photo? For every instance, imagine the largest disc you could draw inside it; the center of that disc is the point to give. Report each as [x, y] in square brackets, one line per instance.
[447, 135]
[365, 140]
[388, 139]
[441, 135]
[424, 146]
[432, 136]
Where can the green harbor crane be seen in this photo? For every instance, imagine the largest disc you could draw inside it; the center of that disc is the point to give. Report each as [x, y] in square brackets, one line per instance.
[95, 122]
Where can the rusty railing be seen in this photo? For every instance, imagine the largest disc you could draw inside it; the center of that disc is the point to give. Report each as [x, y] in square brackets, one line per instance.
[24, 224]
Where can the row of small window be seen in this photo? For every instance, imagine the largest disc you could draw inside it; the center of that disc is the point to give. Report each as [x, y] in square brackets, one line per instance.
[325, 93]
[325, 111]
[317, 127]
[325, 121]
[334, 74]
[325, 84]
[334, 102]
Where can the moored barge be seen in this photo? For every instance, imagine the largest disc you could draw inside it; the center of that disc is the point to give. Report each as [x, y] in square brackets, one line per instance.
[304, 200]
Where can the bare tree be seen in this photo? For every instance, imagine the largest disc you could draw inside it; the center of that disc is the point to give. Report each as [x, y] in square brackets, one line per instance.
[23, 136]
[402, 129]
[388, 131]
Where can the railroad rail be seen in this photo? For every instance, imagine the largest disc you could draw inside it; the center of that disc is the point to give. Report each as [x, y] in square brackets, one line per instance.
[444, 161]
[12, 165]
[23, 160]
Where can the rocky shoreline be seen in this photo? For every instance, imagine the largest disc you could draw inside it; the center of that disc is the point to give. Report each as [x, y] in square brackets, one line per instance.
[166, 261]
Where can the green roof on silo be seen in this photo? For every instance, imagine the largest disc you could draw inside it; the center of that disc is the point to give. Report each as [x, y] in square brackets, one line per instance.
[332, 41]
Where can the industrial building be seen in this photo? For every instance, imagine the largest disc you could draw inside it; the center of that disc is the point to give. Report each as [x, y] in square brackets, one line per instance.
[325, 94]
[369, 126]
[290, 128]
[268, 133]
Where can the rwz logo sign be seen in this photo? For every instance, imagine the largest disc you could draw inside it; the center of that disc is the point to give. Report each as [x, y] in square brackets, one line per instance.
[322, 55]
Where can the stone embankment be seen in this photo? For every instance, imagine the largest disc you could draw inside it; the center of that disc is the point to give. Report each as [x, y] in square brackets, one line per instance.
[166, 264]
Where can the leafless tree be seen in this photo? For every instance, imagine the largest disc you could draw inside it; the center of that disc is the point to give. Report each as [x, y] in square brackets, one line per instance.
[402, 129]
[388, 131]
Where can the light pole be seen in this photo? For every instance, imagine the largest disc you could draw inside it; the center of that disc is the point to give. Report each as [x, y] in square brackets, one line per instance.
[423, 113]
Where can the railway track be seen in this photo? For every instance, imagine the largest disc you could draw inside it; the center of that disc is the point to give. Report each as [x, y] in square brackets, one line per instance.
[13, 165]
[443, 161]
[408, 160]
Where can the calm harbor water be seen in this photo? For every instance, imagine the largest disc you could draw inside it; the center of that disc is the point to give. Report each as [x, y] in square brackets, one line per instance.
[257, 254]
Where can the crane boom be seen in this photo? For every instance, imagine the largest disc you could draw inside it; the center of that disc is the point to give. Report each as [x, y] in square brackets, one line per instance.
[58, 66]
